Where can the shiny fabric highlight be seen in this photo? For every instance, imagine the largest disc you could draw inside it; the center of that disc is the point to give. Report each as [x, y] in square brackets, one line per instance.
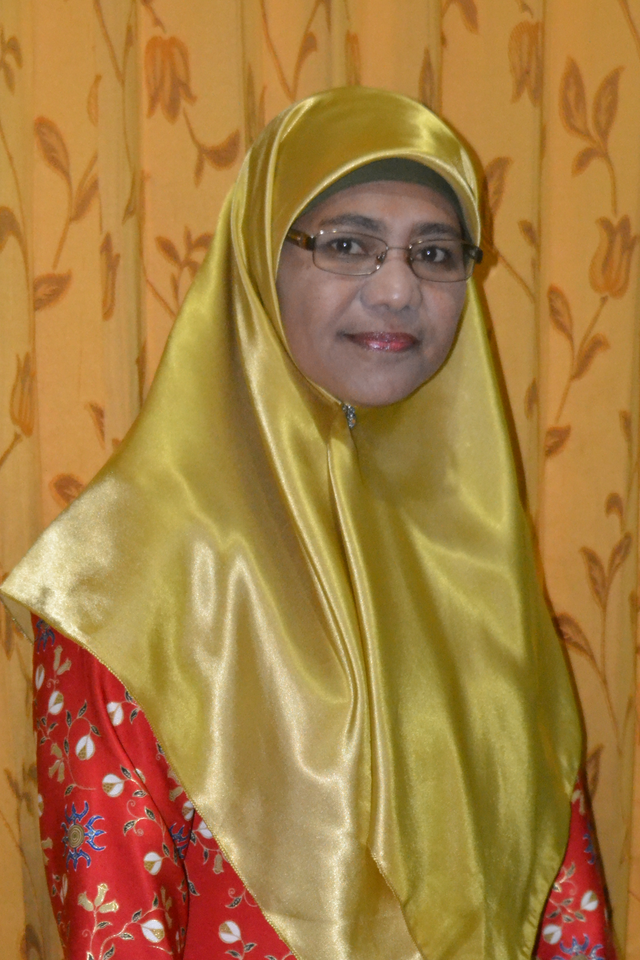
[337, 635]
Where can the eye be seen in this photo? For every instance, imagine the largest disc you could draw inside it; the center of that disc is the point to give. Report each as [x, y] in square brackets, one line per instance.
[432, 252]
[347, 245]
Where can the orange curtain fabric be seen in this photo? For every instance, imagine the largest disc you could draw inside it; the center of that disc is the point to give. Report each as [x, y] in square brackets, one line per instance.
[123, 124]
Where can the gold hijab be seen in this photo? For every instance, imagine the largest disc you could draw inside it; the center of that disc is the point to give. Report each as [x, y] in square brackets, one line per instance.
[337, 635]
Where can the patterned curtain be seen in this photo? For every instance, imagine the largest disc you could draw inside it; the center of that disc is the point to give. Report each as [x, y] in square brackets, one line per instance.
[122, 126]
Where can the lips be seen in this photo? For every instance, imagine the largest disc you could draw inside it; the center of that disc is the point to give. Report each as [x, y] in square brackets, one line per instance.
[393, 342]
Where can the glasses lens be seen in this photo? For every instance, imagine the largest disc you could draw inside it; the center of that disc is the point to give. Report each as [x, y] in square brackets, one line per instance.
[441, 260]
[340, 251]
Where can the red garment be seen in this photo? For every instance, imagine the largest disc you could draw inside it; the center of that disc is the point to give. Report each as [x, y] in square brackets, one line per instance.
[133, 870]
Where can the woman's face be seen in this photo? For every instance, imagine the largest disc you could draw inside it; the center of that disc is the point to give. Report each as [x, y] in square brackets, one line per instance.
[370, 341]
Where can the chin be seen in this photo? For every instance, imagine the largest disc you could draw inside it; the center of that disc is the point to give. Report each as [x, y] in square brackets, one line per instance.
[382, 388]
[382, 397]
[369, 393]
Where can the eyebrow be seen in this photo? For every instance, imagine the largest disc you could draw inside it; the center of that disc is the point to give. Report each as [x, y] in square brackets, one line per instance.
[426, 229]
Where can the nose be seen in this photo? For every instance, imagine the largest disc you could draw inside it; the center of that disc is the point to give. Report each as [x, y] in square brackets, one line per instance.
[394, 286]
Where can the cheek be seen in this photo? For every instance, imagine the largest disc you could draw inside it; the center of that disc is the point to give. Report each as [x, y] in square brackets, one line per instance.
[311, 305]
[290, 286]
[300, 300]
[446, 309]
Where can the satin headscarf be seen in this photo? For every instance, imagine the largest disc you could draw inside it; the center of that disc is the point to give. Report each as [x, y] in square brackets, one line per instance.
[336, 635]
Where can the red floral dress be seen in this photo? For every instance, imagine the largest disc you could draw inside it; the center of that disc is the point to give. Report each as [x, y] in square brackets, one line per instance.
[134, 872]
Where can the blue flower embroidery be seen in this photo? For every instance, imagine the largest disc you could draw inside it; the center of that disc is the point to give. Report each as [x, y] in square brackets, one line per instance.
[589, 849]
[77, 834]
[44, 634]
[581, 950]
[180, 839]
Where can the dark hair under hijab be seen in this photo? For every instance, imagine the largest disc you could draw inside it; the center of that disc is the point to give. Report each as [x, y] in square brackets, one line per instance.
[395, 168]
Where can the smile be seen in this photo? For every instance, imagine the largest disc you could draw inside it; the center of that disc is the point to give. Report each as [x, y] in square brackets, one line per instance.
[394, 342]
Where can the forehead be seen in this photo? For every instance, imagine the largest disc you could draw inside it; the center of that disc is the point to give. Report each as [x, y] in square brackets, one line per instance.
[385, 204]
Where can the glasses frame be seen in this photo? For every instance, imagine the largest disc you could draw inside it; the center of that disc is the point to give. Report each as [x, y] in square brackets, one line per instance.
[308, 242]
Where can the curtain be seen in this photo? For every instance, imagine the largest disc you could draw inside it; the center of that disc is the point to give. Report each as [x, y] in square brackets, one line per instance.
[122, 126]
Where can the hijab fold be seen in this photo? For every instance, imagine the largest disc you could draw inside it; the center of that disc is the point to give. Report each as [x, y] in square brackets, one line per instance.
[337, 635]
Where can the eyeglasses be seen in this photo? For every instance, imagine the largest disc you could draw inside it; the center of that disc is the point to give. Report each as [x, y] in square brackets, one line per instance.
[444, 260]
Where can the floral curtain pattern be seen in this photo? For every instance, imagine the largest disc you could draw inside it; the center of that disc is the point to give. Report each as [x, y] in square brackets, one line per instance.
[122, 126]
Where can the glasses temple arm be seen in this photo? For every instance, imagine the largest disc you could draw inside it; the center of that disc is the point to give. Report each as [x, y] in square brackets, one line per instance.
[301, 239]
[475, 253]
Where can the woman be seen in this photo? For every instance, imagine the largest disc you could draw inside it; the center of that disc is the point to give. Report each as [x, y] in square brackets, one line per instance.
[309, 566]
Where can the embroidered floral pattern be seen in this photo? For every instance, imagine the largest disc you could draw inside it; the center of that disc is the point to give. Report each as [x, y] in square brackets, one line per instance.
[583, 951]
[130, 865]
[575, 922]
[133, 870]
[77, 834]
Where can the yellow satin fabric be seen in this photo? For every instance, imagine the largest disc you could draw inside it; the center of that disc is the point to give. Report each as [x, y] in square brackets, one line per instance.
[336, 635]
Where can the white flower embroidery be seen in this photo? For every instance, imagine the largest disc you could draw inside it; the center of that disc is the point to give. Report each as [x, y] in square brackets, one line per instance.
[152, 862]
[152, 930]
[56, 703]
[85, 747]
[589, 901]
[552, 933]
[112, 785]
[229, 932]
[204, 831]
[116, 713]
